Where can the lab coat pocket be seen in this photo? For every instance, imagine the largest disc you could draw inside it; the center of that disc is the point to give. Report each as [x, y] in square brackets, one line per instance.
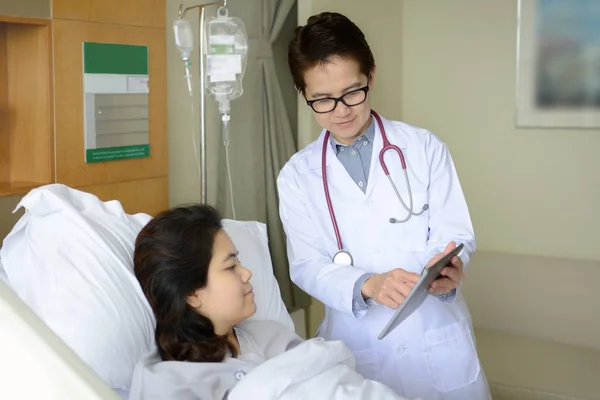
[367, 363]
[451, 355]
[411, 235]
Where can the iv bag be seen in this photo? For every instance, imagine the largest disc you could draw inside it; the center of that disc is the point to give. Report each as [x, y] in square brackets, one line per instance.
[226, 55]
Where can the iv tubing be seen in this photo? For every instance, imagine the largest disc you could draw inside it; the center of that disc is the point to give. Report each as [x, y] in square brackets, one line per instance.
[188, 78]
[225, 119]
[196, 158]
[202, 105]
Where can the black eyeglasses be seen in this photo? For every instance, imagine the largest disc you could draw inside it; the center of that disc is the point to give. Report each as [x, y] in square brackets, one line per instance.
[350, 99]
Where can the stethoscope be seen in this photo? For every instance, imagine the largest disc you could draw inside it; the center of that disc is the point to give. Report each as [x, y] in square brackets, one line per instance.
[343, 257]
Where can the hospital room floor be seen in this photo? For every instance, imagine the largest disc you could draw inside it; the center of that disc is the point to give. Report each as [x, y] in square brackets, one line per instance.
[521, 368]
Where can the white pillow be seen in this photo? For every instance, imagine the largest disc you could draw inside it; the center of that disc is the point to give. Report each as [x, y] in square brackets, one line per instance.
[251, 240]
[69, 258]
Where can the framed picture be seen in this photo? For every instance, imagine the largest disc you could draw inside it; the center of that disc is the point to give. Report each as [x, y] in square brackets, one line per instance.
[558, 64]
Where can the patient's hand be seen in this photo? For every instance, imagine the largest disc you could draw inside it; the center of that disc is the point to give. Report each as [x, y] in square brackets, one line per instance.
[391, 288]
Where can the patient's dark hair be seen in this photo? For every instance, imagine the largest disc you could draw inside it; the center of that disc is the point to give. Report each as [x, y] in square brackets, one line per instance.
[324, 36]
[171, 259]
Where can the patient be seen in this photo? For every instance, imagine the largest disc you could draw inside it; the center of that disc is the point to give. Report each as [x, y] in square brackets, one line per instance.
[201, 295]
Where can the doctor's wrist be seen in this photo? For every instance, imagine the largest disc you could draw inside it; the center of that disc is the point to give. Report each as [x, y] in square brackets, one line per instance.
[366, 289]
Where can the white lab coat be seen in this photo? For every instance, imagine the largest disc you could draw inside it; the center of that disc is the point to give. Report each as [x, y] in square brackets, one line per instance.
[432, 354]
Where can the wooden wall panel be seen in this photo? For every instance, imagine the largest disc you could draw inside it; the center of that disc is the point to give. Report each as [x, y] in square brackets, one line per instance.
[147, 13]
[4, 110]
[71, 168]
[31, 121]
[149, 196]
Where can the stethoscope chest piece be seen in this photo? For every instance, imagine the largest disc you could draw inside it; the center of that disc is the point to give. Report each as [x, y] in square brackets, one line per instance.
[343, 259]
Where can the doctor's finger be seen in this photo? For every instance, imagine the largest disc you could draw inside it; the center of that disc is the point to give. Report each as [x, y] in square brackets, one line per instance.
[396, 294]
[400, 275]
[392, 302]
[405, 288]
[443, 285]
[456, 262]
[439, 291]
[439, 286]
[400, 288]
[453, 273]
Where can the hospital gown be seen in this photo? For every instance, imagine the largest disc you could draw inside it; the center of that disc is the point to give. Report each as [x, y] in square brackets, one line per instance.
[155, 379]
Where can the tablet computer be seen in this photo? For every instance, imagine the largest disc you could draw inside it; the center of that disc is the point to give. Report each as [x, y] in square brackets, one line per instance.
[419, 292]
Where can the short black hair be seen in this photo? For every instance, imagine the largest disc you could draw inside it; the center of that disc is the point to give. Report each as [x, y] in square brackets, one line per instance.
[324, 36]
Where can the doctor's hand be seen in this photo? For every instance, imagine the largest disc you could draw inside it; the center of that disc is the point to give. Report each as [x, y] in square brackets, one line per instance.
[391, 288]
[451, 275]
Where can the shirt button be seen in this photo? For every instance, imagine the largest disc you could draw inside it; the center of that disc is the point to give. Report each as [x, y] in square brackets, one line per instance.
[400, 349]
[353, 152]
[239, 374]
[365, 143]
[360, 183]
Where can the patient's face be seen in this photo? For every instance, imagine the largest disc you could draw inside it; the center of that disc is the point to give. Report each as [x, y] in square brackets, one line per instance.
[228, 298]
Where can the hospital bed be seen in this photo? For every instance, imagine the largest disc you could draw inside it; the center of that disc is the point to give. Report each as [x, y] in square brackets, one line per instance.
[50, 349]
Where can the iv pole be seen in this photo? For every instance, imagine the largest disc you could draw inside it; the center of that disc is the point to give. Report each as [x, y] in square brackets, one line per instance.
[201, 19]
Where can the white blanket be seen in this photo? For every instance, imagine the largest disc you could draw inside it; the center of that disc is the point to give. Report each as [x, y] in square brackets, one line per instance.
[313, 370]
[274, 363]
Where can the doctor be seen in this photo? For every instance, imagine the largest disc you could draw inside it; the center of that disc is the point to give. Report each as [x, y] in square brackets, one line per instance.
[357, 241]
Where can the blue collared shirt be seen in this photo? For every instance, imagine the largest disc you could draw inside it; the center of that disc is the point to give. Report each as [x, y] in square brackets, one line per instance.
[356, 158]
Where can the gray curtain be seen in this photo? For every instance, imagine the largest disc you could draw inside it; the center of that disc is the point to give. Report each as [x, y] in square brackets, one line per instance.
[261, 135]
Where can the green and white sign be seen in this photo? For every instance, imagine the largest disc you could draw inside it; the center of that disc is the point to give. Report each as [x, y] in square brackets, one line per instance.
[116, 117]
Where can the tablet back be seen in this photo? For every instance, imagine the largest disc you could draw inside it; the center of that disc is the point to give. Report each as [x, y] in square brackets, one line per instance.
[419, 293]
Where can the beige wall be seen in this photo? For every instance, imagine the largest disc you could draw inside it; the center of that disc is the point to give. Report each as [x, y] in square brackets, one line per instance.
[531, 192]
